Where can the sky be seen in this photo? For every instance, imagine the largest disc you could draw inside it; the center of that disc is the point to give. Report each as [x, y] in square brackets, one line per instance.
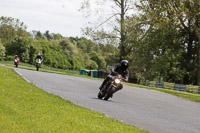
[56, 16]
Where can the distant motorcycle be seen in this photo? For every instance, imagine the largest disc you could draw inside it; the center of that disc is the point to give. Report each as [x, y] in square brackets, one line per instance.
[110, 88]
[16, 62]
[38, 64]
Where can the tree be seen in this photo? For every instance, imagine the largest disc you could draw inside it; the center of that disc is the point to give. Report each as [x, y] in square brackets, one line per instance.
[100, 61]
[119, 9]
[21, 47]
[57, 36]
[38, 35]
[193, 14]
[48, 36]
[69, 49]
[53, 54]
[178, 21]
[110, 53]
[15, 38]
[2, 51]
[10, 28]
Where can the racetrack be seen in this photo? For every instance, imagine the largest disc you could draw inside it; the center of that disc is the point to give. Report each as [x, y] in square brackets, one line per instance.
[154, 111]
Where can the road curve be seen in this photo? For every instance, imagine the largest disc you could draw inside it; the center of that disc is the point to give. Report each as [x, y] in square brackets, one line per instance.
[154, 111]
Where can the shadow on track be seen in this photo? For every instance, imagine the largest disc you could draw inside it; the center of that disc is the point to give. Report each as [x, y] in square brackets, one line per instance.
[102, 99]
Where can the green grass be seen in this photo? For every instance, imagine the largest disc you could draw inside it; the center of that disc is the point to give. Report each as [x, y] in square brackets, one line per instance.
[186, 95]
[43, 68]
[26, 108]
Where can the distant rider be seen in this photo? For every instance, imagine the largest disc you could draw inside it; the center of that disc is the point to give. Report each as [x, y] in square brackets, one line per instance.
[16, 60]
[38, 57]
[119, 68]
[16, 57]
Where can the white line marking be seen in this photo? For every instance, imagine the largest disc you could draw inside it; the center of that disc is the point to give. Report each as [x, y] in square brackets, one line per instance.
[23, 76]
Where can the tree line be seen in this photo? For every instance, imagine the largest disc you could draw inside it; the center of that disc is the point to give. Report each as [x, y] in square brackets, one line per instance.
[60, 52]
[160, 40]
[166, 40]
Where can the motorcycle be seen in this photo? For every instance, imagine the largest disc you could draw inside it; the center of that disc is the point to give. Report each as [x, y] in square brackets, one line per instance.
[16, 62]
[38, 64]
[110, 87]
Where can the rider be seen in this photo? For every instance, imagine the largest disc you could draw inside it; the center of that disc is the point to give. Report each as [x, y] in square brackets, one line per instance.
[16, 58]
[39, 57]
[119, 68]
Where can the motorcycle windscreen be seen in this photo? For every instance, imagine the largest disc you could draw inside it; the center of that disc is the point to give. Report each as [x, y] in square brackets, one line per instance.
[38, 61]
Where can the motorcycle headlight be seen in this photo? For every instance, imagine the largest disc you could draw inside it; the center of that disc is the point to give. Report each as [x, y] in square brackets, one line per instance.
[117, 81]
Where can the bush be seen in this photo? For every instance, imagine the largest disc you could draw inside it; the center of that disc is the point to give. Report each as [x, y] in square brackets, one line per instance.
[100, 61]
[93, 65]
[9, 58]
[2, 51]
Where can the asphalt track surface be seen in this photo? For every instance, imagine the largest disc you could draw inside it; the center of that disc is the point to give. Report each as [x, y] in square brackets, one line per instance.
[150, 110]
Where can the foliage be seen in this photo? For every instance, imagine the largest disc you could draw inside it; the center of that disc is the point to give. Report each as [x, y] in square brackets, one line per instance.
[53, 55]
[69, 49]
[57, 51]
[15, 38]
[10, 28]
[119, 10]
[163, 40]
[2, 51]
[98, 59]
[20, 46]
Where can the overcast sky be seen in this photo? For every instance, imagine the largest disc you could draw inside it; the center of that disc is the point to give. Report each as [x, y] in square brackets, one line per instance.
[57, 16]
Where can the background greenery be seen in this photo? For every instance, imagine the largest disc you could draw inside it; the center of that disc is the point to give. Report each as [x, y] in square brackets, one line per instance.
[161, 42]
[60, 52]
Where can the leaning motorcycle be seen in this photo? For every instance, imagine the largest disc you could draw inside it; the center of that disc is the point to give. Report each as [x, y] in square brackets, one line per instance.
[38, 64]
[16, 62]
[110, 87]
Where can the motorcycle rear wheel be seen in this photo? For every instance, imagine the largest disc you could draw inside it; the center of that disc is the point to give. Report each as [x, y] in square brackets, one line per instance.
[109, 94]
[100, 96]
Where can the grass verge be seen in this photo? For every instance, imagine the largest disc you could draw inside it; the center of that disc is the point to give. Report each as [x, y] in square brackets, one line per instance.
[44, 68]
[186, 95]
[26, 108]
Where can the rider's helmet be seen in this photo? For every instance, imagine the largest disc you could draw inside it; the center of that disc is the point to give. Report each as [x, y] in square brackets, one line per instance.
[39, 56]
[124, 64]
[16, 56]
